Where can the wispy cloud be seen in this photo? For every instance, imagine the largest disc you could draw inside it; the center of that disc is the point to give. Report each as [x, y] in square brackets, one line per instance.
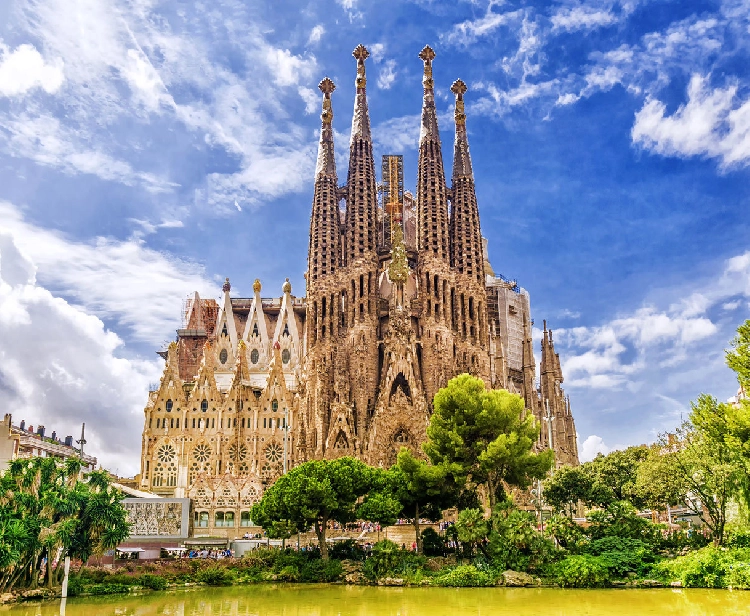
[469, 31]
[122, 281]
[387, 75]
[571, 19]
[316, 34]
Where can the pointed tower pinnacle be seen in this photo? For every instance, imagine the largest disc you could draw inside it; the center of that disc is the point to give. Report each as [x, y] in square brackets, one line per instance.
[325, 236]
[361, 117]
[326, 160]
[465, 235]
[432, 198]
[361, 207]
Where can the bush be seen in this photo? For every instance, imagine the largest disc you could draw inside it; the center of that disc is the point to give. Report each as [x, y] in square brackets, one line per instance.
[582, 571]
[465, 576]
[709, 567]
[154, 582]
[432, 543]
[620, 519]
[216, 576]
[321, 571]
[622, 555]
[738, 538]
[567, 533]
[290, 573]
[388, 559]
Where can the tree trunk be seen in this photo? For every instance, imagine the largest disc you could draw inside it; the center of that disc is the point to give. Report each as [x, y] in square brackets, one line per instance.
[416, 529]
[492, 495]
[49, 569]
[320, 531]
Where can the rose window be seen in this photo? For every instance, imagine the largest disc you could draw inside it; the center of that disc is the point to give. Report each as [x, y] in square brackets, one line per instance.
[201, 453]
[237, 452]
[165, 453]
[274, 452]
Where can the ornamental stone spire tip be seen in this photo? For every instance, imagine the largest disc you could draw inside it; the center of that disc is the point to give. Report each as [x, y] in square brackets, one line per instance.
[327, 86]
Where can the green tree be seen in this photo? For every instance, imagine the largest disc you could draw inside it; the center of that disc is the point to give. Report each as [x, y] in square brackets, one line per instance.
[708, 461]
[422, 490]
[738, 358]
[570, 484]
[658, 481]
[314, 493]
[487, 434]
[617, 472]
[47, 512]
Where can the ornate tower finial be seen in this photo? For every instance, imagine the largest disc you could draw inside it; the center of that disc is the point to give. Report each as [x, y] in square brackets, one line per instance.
[226, 287]
[287, 286]
[361, 54]
[327, 87]
[459, 89]
[257, 286]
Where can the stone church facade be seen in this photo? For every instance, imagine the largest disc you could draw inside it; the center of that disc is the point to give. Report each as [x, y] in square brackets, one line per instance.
[400, 298]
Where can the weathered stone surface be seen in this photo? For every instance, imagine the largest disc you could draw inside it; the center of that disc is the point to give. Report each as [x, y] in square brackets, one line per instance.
[518, 578]
[7, 597]
[389, 581]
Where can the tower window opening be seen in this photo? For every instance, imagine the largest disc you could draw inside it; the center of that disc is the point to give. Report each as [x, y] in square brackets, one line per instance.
[204, 405]
[169, 406]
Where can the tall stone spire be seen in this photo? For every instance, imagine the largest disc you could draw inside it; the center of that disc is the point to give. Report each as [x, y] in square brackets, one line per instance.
[361, 210]
[325, 235]
[432, 200]
[465, 234]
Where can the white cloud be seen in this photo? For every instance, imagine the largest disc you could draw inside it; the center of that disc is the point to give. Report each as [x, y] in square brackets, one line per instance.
[316, 34]
[287, 68]
[387, 75]
[571, 19]
[46, 141]
[619, 353]
[591, 447]
[119, 280]
[377, 51]
[133, 49]
[467, 32]
[397, 134]
[24, 69]
[713, 123]
[59, 366]
[311, 99]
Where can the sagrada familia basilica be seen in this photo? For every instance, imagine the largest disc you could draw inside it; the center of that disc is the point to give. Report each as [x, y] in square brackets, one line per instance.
[400, 298]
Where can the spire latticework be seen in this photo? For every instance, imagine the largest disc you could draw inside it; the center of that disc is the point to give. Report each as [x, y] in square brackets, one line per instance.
[325, 235]
[361, 210]
[466, 236]
[432, 199]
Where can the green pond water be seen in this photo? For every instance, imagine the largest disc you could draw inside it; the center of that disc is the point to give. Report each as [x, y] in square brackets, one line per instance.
[314, 600]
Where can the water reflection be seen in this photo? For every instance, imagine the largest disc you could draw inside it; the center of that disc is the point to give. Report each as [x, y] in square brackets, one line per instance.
[313, 600]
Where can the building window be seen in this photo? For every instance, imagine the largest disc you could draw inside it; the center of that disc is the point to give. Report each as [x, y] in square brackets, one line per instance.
[169, 406]
[254, 356]
[204, 405]
[158, 423]
[265, 422]
[286, 356]
[178, 422]
[201, 519]
[224, 519]
[171, 423]
[193, 422]
[275, 405]
[223, 356]
[245, 519]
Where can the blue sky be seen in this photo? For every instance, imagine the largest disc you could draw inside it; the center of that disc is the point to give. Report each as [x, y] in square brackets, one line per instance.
[149, 149]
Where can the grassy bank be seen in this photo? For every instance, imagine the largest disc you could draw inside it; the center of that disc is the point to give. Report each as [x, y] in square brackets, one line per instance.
[617, 565]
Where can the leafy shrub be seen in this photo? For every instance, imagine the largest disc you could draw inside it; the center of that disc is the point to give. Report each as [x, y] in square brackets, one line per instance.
[464, 576]
[388, 559]
[568, 534]
[432, 543]
[738, 576]
[620, 519]
[622, 555]
[582, 571]
[709, 567]
[75, 586]
[739, 538]
[216, 576]
[290, 573]
[154, 582]
[321, 571]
